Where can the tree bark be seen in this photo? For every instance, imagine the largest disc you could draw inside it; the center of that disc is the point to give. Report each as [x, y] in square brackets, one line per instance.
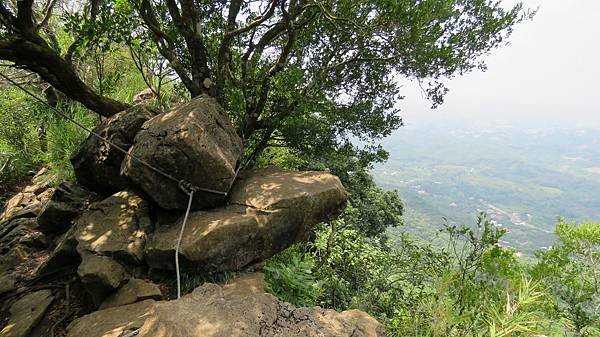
[41, 59]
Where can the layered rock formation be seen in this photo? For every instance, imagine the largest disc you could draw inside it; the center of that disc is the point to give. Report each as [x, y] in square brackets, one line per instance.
[21, 241]
[208, 312]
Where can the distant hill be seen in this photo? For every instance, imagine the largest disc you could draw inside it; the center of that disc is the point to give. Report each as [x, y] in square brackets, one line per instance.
[524, 178]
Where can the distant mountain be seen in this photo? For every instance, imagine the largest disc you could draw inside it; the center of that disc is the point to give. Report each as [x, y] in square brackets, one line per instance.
[524, 178]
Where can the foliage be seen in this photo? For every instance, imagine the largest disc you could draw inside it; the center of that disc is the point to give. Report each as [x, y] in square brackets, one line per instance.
[517, 315]
[19, 143]
[471, 287]
[64, 137]
[191, 279]
[570, 269]
[32, 135]
[290, 277]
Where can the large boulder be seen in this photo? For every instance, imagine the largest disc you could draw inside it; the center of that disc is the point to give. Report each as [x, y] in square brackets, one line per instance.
[269, 210]
[115, 226]
[207, 313]
[66, 202]
[97, 165]
[26, 313]
[244, 285]
[194, 142]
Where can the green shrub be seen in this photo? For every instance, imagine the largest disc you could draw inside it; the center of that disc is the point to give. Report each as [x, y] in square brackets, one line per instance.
[289, 277]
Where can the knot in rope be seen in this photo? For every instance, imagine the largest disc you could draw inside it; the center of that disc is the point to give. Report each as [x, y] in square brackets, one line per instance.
[187, 187]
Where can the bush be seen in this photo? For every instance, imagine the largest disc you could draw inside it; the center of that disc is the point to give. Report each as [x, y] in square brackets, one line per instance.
[289, 276]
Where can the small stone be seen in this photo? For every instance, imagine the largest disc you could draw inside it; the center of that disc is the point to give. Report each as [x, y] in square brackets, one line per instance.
[65, 204]
[101, 275]
[7, 283]
[26, 313]
[135, 290]
[144, 96]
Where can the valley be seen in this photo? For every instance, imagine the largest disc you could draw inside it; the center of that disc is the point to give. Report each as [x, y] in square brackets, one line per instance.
[523, 178]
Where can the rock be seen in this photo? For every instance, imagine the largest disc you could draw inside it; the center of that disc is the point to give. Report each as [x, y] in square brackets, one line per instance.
[270, 210]
[29, 211]
[26, 313]
[65, 204]
[312, 195]
[40, 183]
[101, 275]
[63, 257]
[28, 202]
[22, 205]
[115, 226]
[23, 234]
[10, 232]
[207, 313]
[195, 142]
[7, 283]
[34, 239]
[15, 256]
[96, 163]
[111, 322]
[145, 95]
[244, 285]
[135, 290]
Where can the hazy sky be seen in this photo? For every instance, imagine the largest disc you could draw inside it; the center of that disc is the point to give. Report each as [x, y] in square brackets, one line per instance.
[549, 74]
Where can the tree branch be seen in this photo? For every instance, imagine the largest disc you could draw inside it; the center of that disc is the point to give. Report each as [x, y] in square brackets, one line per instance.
[47, 14]
[165, 45]
[193, 39]
[45, 62]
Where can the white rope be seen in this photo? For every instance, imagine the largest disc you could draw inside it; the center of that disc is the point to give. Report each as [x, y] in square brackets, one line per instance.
[178, 245]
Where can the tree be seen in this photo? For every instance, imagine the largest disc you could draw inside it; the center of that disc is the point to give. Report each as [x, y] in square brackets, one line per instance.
[21, 42]
[307, 74]
[571, 270]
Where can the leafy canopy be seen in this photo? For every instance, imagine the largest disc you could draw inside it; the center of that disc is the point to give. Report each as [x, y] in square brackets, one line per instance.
[310, 75]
